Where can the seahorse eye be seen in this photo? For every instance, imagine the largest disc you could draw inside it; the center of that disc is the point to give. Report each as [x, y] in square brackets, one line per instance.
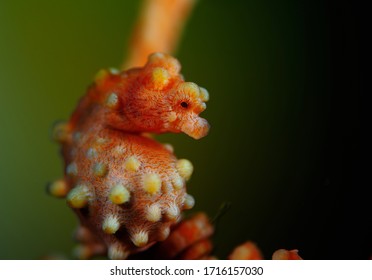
[184, 104]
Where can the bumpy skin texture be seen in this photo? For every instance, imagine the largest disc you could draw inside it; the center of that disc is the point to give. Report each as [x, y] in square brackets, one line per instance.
[127, 189]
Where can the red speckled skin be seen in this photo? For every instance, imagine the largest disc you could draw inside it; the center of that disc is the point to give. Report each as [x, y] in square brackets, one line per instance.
[107, 128]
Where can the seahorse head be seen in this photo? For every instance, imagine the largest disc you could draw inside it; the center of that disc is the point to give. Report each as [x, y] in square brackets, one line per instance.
[156, 99]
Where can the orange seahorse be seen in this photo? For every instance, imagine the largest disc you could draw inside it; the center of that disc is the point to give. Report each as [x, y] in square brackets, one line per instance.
[126, 188]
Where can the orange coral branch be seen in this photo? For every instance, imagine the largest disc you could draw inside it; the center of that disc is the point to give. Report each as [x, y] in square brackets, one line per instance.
[283, 254]
[158, 29]
[246, 251]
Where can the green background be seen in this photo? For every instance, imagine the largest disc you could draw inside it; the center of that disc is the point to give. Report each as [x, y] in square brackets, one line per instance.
[263, 63]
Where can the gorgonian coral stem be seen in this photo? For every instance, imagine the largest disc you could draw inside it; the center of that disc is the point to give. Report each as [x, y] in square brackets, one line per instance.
[157, 30]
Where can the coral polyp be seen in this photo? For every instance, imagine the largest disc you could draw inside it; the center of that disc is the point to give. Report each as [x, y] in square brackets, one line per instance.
[127, 189]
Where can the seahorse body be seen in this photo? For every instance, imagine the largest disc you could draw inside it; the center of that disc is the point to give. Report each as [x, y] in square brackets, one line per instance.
[127, 189]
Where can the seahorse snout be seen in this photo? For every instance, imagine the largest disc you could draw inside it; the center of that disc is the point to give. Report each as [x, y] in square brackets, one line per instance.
[196, 128]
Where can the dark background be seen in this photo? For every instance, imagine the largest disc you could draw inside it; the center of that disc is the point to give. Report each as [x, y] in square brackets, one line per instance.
[288, 144]
[334, 217]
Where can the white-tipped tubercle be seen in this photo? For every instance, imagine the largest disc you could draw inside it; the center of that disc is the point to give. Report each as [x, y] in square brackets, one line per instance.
[78, 197]
[151, 183]
[132, 163]
[204, 95]
[58, 188]
[110, 224]
[72, 169]
[185, 168]
[177, 182]
[189, 202]
[172, 212]
[119, 194]
[100, 169]
[140, 238]
[112, 101]
[117, 252]
[153, 213]
[91, 153]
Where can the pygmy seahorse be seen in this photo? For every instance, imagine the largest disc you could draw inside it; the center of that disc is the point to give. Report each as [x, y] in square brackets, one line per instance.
[127, 189]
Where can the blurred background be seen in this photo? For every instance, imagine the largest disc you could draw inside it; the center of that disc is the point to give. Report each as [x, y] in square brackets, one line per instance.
[286, 114]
